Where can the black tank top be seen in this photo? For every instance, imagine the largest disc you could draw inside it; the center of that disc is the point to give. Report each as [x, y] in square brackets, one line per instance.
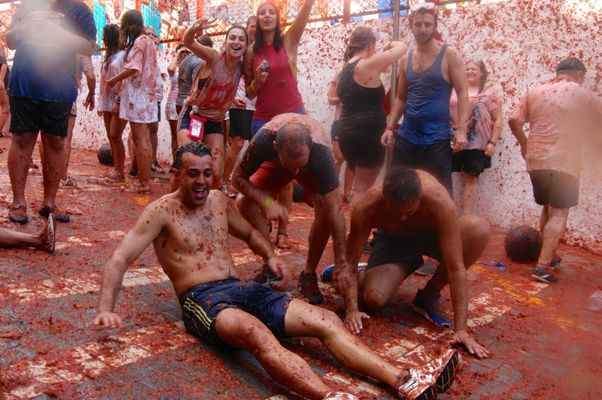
[358, 99]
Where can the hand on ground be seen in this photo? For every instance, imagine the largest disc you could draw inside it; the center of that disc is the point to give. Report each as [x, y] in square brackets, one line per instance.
[465, 339]
[108, 320]
[353, 321]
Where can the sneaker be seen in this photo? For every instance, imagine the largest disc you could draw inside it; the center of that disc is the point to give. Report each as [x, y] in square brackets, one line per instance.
[423, 383]
[417, 385]
[156, 167]
[555, 263]
[428, 307]
[448, 373]
[310, 289]
[327, 273]
[541, 274]
[428, 268]
[67, 183]
[340, 396]
[50, 241]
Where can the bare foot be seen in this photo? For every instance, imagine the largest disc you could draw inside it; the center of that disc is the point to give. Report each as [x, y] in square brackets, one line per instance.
[282, 241]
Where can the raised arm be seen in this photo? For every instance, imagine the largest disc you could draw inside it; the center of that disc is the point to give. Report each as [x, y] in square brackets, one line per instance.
[293, 36]
[208, 54]
[383, 60]
[457, 75]
[147, 228]
[241, 229]
[333, 99]
[399, 104]
[173, 65]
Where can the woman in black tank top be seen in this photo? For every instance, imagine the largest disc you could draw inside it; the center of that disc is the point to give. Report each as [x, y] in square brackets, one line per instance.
[363, 118]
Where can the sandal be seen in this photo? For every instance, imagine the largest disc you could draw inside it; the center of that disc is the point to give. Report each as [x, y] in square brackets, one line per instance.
[282, 244]
[105, 181]
[47, 211]
[136, 188]
[68, 183]
[18, 214]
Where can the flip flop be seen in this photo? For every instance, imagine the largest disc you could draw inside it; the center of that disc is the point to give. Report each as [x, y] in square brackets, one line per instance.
[105, 181]
[18, 214]
[136, 188]
[47, 211]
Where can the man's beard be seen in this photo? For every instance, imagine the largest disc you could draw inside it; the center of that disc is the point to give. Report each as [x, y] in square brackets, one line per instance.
[423, 39]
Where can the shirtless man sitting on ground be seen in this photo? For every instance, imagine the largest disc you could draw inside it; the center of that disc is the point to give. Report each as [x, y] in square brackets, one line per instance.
[189, 230]
[415, 216]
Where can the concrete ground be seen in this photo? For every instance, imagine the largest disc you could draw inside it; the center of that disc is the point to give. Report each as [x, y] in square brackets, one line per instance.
[544, 340]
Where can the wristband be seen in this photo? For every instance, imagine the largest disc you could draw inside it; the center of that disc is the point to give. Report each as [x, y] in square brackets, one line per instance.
[267, 202]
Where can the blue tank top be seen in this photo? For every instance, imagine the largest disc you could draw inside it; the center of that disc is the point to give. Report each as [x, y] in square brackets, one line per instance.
[426, 118]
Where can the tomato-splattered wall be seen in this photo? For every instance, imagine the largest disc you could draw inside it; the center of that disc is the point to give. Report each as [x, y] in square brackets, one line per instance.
[520, 41]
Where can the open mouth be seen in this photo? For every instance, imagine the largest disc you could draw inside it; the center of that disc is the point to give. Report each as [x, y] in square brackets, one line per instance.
[200, 192]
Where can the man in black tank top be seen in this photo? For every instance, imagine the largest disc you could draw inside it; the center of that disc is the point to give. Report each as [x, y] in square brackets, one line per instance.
[433, 68]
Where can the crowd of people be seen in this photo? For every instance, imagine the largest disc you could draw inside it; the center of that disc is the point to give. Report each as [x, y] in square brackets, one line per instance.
[452, 122]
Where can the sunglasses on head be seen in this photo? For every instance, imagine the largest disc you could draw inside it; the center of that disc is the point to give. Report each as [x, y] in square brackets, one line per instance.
[431, 7]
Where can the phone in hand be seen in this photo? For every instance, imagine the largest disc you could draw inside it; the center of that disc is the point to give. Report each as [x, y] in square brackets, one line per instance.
[265, 66]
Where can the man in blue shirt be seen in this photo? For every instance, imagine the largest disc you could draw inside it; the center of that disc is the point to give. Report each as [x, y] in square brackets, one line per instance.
[46, 37]
[427, 74]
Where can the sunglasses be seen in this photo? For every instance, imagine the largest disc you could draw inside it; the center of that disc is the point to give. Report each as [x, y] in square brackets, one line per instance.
[431, 7]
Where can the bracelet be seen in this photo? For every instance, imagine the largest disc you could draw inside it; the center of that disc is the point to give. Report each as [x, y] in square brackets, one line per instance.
[267, 202]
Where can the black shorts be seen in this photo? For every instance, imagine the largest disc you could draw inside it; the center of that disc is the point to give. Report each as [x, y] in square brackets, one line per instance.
[211, 127]
[436, 159]
[202, 303]
[471, 162]
[387, 249]
[240, 123]
[359, 141]
[554, 188]
[27, 115]
[335, 130]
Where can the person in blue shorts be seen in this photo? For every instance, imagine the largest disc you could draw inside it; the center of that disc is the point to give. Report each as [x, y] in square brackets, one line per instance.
[190, 230]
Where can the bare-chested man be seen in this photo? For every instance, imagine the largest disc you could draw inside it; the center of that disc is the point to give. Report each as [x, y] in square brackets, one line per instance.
[291, 146]
[415, 216]
[189, 230]
[427, 74]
